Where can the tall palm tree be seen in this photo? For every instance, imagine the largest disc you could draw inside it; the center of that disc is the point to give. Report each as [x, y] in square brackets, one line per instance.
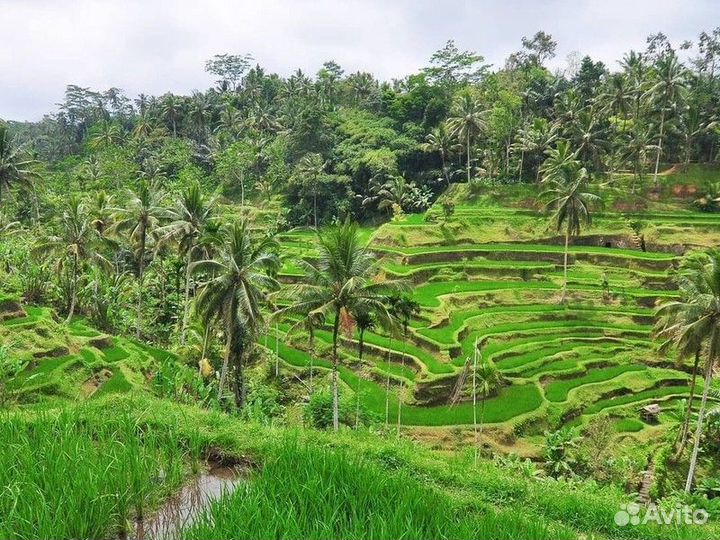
[171, 108]
[188, 217]
[403, 308]
[76, 244]
[439, 140]
[364, 321]
[485, 379]
[16, 167]
[693, 323]
[143, 213]
[310, 168]
[344, 279]
[666, 92]
[235, 294]
[569, 201]
[467, 120]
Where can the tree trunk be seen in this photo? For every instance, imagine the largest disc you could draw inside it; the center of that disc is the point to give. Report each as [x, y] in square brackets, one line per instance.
[239, 383]
[474, 397]
[357, 390]
[277, 352]
[73, 291]
[659, 150]
[186, 307]
[402, 382]
[522, 159]
[387, 387]
[315, 205]
[468, 156]
[565, 266]
[444, 168]
[226, 361]
[336, 397]
[701, 418]
[141, 276]
[688, 411]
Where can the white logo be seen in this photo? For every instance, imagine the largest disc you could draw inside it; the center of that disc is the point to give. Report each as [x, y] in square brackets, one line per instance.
[631, 514]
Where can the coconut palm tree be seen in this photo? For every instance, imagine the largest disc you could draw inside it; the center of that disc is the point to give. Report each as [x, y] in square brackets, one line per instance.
[76, 244]
[569, 202]
[485, 379]
[171, 109]
[344, 279]
[310, 168]
[693, 323]
[16, 167]
[188, 217]
[403, 308]
[138, 220]
[364, 321]
[439, 140]
[666, 93]
[467, 120]
[235, 293]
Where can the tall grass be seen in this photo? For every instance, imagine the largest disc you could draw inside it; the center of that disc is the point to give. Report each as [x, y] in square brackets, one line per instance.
[62, 476]
[305, 492]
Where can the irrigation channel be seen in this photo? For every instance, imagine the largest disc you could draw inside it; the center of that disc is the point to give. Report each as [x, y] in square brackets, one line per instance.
[184, 507]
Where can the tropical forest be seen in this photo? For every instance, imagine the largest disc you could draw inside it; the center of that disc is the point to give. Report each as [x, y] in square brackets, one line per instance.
[475, 302]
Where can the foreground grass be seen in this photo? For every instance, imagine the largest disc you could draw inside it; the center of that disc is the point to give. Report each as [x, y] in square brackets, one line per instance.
[82, 471]
[65, 477]
[310, 493]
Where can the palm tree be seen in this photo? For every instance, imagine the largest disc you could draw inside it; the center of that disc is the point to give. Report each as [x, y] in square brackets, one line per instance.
[235, 294]
[340, 282]
[171, 110]
[438, 140]
[76, 244]
[189, 216]
[693, 323]
[666, 92]
[568, 200]
[16, 167]
[467, 121]
[485, 379]
[364, 321]
[403, 308]
[140, 217]
[310, 168]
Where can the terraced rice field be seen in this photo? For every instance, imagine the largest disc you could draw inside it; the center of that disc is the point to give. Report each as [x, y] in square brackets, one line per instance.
[74, 361]
[593, 354]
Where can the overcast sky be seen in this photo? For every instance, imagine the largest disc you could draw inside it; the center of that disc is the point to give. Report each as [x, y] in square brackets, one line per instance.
[154, 46]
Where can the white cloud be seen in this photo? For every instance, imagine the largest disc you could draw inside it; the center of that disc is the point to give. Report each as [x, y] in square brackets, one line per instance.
[153, 46]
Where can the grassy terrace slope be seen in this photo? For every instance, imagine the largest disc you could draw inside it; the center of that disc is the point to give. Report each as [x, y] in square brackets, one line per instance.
[494, 271]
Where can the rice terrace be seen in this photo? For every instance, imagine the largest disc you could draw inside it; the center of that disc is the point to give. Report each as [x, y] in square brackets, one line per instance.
[475, 301]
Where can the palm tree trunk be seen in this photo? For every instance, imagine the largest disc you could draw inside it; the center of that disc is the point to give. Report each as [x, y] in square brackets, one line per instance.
[73, 292]
[688, 411]
[277, 351]
[357, 390]
[315, 205]
[659, 150]
[186, 307]
[474, 397]
[387, 388]
[402, 384]
[522, 159]
[444, 168]
[565, 265]
[226, 361]
[336, 397]
[468, 156]
[699, 428]
[141, 276]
